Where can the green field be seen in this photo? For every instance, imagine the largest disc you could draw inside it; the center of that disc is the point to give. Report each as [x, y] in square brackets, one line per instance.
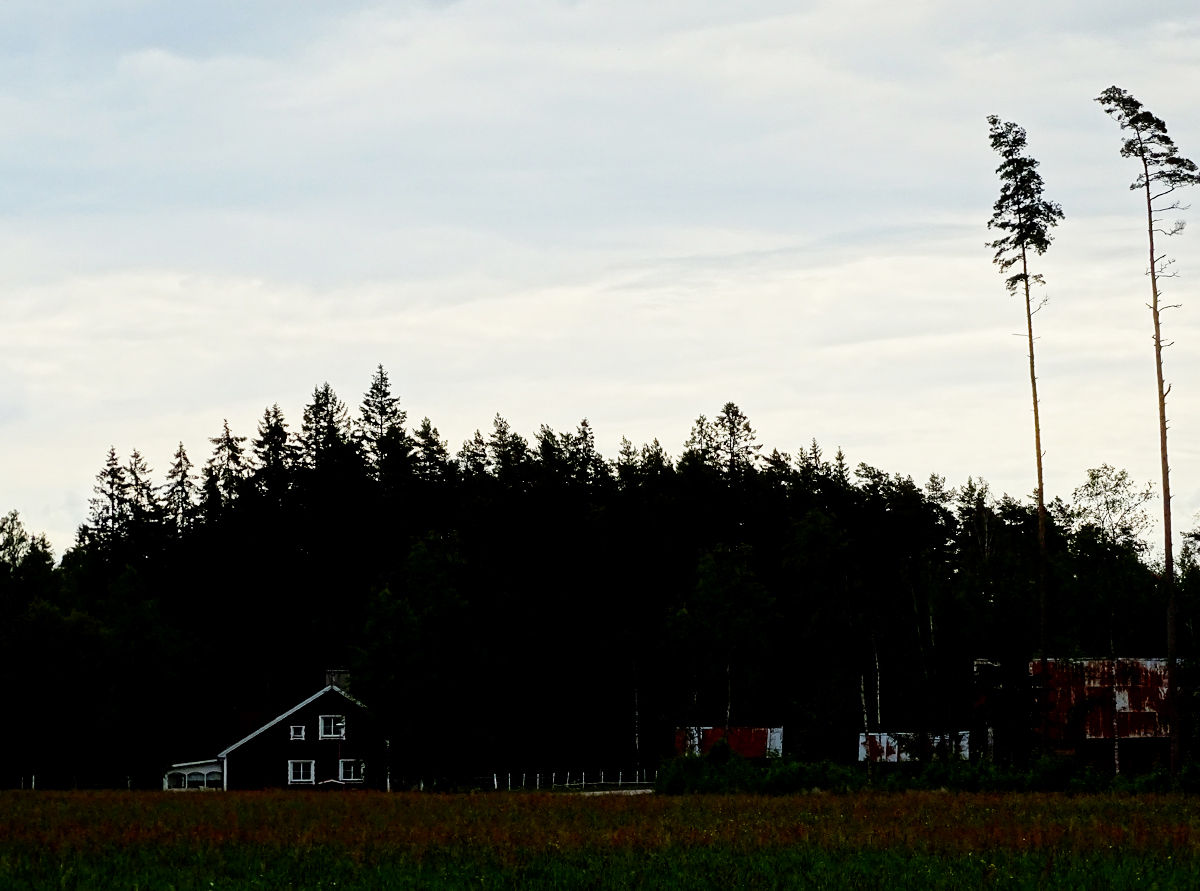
[142, 841]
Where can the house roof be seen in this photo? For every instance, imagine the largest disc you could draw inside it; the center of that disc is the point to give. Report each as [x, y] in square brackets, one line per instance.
[289, 713]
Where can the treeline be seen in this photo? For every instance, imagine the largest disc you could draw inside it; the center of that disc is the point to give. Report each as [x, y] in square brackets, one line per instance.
[530, 604]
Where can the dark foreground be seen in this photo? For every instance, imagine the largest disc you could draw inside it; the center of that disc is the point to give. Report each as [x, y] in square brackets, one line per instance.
[145, 841]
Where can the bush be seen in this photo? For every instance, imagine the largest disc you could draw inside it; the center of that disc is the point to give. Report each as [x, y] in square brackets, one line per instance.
[722, 772]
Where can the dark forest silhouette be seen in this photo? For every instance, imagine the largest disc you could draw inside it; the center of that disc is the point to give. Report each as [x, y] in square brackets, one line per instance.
[526, 604]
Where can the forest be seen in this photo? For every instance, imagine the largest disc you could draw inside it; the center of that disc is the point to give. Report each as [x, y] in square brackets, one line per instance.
[530, 604]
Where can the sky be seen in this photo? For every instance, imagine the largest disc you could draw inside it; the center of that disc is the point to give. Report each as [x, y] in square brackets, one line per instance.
[629, 212]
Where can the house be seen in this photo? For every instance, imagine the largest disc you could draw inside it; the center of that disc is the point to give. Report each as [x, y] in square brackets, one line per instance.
[327, 741]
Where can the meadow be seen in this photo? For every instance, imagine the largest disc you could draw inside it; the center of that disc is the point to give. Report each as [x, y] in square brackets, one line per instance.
[273, 840]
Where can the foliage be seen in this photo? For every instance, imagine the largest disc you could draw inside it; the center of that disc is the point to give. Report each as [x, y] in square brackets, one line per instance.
[1020, 212]
[530, 605]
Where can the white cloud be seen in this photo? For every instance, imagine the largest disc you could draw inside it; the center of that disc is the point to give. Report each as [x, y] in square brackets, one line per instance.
[554, 210]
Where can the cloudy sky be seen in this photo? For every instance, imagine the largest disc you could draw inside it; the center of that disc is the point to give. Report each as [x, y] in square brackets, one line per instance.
[630, 212]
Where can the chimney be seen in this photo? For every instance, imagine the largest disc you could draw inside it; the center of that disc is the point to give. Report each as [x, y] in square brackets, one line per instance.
[338, 677]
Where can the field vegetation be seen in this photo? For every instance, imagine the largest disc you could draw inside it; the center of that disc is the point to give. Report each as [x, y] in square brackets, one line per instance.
[131, 840]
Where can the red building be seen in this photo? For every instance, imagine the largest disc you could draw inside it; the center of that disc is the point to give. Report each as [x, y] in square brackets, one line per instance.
[1104, 709]
[749, 742]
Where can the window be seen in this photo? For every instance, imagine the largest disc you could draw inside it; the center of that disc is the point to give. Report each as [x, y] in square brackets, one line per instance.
[300, 771]
[297, 731]
[351, 771]
[333, 726]
[213, 780]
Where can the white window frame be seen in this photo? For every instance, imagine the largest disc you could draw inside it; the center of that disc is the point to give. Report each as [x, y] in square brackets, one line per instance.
[342, 770]
[338, 721]
[294, 734]
[312, 769]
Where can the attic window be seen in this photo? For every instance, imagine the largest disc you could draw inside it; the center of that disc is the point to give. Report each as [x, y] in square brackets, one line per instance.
[333, 726]
[297, 731]
[351, 771]
[300, 771]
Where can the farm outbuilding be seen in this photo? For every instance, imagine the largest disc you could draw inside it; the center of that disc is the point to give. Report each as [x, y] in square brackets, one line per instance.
[327, 741]
[749, 742]
[1105, 709]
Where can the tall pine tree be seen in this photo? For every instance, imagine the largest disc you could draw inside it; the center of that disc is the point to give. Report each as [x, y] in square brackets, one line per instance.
[1163, 172]
[1025, 217]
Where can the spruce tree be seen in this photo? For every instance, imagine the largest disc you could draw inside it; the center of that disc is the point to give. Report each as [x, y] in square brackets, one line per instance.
[380, 417]
[273, 448]
[326, 425]
[143, 501]
[431, 459]
[736, 448]
[227, 467]
[1163, 172]
[1026, 218]
[109, 510]
[179, 497]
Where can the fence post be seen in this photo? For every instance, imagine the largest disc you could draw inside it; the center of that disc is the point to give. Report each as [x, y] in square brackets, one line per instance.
[495, 782]
[619, 775]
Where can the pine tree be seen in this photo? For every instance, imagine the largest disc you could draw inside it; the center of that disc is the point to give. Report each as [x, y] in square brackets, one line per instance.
[1163, 172]
[179, 498]
[227, 467]
[1026, 218]
[585, 463]
[702, 444]
[507, 449]
[473, 456]
[326, 425]
[380, 417]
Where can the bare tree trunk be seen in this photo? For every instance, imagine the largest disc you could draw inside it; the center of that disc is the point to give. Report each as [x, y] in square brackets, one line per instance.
[878, 685]
[862, 693]
[1168, 551]
[728, 696]
[637, 741]
[1043, 632]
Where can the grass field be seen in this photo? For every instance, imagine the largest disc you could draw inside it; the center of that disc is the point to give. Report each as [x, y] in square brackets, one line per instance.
[142, 841]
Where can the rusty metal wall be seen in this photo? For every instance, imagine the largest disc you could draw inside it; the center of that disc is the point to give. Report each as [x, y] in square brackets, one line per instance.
[749, 742]
[1104, 698]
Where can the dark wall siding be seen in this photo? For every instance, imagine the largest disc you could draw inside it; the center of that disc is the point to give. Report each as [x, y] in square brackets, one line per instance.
[262, 763]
